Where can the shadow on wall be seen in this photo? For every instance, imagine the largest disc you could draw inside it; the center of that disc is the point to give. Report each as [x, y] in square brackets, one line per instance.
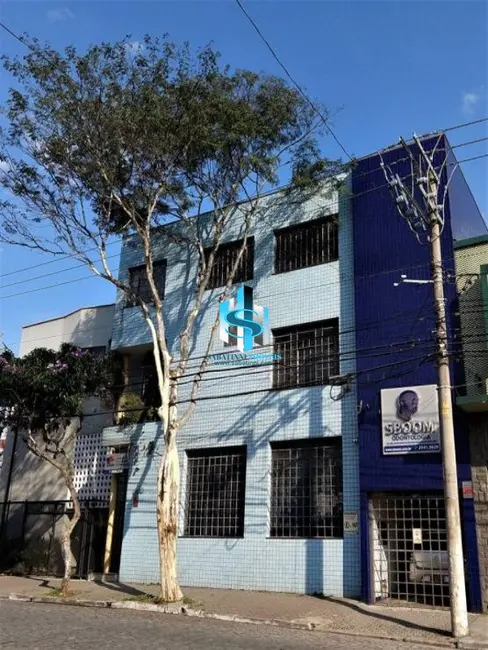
[181, 276]
[142, 462]
[282, 406]
[287, 406]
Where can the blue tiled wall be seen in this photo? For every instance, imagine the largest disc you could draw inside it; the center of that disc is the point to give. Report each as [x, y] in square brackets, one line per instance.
[238, 408]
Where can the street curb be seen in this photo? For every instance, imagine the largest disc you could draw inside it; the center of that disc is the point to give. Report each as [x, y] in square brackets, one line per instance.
[198, 613]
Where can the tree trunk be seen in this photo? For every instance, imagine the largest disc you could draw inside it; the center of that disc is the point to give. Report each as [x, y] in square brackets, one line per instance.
[69, 526]
[168, 496]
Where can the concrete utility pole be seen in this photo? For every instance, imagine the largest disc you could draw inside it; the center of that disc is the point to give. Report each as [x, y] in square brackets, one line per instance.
[430, 219]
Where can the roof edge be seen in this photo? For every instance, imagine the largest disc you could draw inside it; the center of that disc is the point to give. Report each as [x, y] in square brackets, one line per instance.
[48, 320]
[471, 241]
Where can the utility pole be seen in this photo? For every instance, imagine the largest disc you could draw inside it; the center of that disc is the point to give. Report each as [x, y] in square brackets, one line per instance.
[426, 217]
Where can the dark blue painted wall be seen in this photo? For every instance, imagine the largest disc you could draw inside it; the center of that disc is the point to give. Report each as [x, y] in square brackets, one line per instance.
[395, 341]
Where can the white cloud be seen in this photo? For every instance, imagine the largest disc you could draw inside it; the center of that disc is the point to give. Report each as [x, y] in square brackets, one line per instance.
[469, 103]
[4, 166]
[58, 15]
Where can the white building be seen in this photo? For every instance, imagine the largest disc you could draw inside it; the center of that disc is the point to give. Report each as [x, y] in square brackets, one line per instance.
[33, 491]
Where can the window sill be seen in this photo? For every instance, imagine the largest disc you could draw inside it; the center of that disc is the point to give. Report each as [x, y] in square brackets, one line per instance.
[300, 387]
[209, 537]
[308, 539]
[302, 268]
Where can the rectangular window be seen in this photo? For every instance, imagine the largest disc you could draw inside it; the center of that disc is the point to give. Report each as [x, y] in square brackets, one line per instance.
[139, 284]
[308, 244]
[309, 354]
[224, 261]
[215, 492]
[306, 488]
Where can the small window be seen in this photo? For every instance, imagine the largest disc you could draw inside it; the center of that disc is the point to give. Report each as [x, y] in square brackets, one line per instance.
[215, 492]
[149, 389]
[139, 284]
[224, 261]
[309, 354]
[308, 244]
[306, 488]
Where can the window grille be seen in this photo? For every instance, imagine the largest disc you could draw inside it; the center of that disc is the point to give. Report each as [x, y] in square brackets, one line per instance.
[215, 492]
[306, 489]
[308, 244]
[309, 354]
[139, 284]
[224, 261]
[408, 552]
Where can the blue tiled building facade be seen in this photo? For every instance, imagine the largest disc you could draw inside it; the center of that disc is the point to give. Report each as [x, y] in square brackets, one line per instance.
[243, 410]
[385, 340]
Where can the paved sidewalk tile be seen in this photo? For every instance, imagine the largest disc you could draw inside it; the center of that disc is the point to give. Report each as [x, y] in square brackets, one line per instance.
[348, 616]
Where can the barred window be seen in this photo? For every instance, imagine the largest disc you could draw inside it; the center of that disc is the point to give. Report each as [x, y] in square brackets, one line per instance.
[309, 354]
[139, 284]
[306, 488]
[308, 244]
[215, 492]
[224, 261]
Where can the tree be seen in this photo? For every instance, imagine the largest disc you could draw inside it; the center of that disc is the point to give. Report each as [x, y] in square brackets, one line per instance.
[115, 142]
[42, 396]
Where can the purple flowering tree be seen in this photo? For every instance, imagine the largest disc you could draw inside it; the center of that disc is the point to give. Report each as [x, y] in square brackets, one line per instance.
[42, 396]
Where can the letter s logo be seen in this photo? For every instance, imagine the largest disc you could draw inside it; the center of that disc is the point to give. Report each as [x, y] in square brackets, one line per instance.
[233, 319]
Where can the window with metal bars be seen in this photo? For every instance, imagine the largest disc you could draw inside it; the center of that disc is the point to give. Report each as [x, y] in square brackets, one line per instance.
[139, 284]
[306, 488]
[309, 354]
[224, 261]
[308, 244]
[215, 492]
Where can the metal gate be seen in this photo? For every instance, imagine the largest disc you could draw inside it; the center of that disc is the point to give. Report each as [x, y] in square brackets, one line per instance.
[30, 538]
[408, 548]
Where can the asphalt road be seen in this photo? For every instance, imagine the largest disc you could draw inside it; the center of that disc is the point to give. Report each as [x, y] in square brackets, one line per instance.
[35, 626]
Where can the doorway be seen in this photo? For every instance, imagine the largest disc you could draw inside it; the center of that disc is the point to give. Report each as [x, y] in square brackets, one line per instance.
[408, 548]
[119, 515]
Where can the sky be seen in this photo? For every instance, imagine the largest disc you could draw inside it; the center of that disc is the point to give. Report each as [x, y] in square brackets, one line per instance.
[384, 69]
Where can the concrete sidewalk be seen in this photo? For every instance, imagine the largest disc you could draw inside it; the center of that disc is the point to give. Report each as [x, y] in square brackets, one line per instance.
[415, 625]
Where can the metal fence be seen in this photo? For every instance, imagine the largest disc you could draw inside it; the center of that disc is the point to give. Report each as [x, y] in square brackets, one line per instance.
[30, 537]
[408, 542]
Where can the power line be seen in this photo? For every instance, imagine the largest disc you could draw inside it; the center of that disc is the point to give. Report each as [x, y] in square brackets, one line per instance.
[350, 196]
[47, 275]
[295, 83]
[466, 144]
[58, 259]
[464, 124]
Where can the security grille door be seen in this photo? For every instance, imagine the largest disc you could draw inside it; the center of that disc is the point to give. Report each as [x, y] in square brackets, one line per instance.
[408, 547]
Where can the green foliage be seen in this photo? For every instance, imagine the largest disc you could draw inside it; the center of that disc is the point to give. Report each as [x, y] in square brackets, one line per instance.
[45, 390]
[130, 409]
[113, 139]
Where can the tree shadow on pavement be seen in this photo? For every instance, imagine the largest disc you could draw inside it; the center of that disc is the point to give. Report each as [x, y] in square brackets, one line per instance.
[384, 617]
